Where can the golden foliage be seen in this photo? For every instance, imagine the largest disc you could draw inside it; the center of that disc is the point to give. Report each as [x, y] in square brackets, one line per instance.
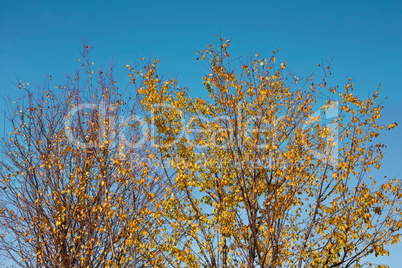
[262, 173]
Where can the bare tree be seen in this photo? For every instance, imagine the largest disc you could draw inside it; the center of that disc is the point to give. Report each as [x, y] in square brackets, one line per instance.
[77, 187]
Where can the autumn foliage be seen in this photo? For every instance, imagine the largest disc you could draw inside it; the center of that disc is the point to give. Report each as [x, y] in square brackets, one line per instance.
[267, 170]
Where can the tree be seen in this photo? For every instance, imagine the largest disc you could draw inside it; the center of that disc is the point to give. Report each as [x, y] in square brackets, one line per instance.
[270, 170]
[70, 197]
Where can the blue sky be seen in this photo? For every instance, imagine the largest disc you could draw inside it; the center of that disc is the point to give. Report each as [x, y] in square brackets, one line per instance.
[364, 38]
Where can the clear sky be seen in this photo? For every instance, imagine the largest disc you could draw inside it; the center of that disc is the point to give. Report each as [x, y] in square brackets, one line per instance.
[364, 38]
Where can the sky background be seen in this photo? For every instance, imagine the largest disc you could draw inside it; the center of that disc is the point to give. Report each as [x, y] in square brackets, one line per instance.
[364, 38]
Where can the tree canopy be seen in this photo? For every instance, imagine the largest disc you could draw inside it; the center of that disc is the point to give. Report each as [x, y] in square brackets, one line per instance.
[269, 170]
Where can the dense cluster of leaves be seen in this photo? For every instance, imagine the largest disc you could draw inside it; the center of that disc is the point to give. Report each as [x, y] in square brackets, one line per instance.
[265, 172]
